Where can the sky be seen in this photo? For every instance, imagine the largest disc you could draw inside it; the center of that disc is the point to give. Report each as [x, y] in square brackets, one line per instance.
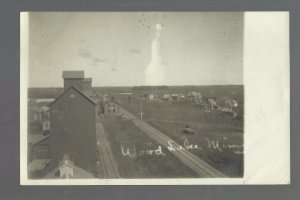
[136, 48]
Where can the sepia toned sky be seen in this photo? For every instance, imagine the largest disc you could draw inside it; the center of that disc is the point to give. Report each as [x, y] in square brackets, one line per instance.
[137, 48]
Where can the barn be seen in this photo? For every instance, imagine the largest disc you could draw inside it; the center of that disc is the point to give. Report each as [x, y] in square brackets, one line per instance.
[73, 129]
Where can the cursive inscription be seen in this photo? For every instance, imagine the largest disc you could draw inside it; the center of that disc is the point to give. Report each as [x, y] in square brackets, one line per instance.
[133, 152]
[220, 145]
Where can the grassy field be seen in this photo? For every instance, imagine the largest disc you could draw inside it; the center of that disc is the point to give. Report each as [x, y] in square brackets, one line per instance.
[124, 133]
[220, 136]
[220, 146]
[210, 129]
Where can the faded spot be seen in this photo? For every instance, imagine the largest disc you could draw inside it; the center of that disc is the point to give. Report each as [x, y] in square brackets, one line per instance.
[84, 53]
[155, 72]
[135, 51]
[99, 60]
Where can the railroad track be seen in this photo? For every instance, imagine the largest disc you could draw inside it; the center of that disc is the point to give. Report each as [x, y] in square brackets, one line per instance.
[105, 156]
[195, 163]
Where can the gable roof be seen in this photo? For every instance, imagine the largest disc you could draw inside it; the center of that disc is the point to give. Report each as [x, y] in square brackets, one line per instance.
[73, 74]
[77, 90]
[111, 101]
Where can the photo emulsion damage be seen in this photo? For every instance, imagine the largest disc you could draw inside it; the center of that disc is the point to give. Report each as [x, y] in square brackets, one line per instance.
[135, 95]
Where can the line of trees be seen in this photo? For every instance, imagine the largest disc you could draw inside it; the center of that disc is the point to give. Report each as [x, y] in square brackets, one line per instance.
[149, 88]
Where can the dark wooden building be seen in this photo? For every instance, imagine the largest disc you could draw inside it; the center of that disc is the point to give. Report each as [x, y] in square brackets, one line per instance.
[73, 129]
[73, 78]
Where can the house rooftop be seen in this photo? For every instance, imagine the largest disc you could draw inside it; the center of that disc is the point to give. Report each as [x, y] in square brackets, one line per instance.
[73, 74]
[36, 138]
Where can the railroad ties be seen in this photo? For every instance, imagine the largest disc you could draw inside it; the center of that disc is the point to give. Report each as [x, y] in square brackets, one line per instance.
[106, 164]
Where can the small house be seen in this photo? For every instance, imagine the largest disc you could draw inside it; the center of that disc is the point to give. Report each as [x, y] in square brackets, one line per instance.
[34, 113]
[231, 103]
[151, 96]
[213, 104]
[194, 97]
[111, 108]
[175, 97]
[166, 97]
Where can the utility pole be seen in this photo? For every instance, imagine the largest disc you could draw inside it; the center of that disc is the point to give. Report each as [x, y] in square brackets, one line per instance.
[141, 115]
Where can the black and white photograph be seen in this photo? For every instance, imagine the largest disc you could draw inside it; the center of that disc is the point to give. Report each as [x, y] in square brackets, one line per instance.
[134, 95]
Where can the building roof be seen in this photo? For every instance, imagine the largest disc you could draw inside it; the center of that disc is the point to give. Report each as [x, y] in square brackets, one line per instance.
[86, 80]
[38, 164]
[36, 138]
[77, 90]
[111, 101]
[65, 161]
[73, 74]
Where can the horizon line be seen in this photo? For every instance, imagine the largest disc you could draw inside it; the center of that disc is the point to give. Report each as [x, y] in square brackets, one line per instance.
[153, 86]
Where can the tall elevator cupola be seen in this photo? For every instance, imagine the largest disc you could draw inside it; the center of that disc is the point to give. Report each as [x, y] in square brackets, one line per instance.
[73, 78]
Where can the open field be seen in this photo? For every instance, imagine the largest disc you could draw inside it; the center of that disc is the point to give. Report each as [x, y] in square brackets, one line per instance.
[219, 136]
[123, 133]
[221, 148]
[210, 129]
